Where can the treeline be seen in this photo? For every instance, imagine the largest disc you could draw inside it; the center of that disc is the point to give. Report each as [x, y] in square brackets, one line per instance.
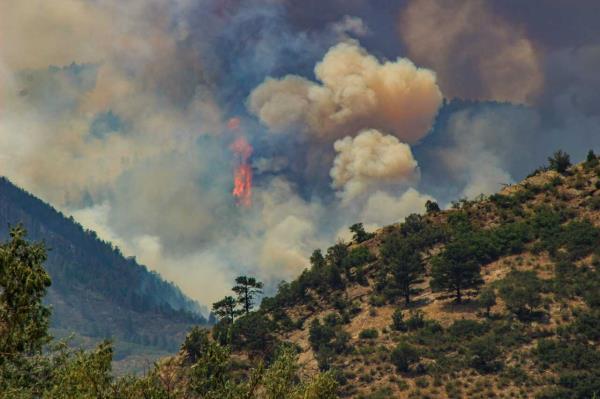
[33, 365]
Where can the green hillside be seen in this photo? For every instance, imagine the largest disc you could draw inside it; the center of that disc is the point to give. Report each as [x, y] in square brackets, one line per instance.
[96, 292]
[494, 298]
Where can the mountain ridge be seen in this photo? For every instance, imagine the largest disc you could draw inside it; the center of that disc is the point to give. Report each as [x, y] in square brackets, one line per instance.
[96, 292]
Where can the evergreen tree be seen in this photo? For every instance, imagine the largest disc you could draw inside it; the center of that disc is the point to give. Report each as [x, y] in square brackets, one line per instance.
[246, 289]
[591, 161]
[196, 342]
[591, 156]
[359, 233]
[225, 309]
[520, 291]
[62, 373]
[336, 255]
[404, 355]
[487, 299]
[403, 262]
[431, 206]
[23, 282]
[317, 261]
[398, 322]
[456, 269]
[560, 161]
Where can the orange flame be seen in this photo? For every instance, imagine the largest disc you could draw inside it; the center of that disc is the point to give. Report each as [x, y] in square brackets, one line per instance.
[242, 176]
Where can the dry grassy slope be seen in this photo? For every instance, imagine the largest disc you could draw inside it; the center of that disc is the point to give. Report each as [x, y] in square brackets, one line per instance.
[574, 193]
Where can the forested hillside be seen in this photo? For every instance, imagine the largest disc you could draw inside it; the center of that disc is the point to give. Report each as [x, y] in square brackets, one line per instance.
[96, 292]
[495, 297]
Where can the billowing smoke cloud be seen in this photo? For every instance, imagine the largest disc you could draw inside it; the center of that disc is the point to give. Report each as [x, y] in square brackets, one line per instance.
[369, 160]
[382, 208]
[476, 53]
[97, 88]
[355, 91]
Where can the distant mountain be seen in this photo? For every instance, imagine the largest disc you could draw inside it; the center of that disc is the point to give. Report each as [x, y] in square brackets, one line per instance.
[96, 292]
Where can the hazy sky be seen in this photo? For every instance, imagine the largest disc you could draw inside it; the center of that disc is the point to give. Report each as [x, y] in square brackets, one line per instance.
[123, 114]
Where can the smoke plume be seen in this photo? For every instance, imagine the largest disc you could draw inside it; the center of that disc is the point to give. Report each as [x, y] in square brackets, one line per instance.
[382, 208]
[356, 91]
[476, 54]
[368, 160]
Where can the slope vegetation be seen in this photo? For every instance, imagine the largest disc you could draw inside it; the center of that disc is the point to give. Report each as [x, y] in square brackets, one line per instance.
[96, 292]
[497, 297]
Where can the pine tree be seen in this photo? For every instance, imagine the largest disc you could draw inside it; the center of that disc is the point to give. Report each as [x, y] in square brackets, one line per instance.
[403, 262]
[225, 309]
[560, 161]
[591, 161]
[456, 269]
[246, 289]
[431, 206]
[317, 261]
[359, 233]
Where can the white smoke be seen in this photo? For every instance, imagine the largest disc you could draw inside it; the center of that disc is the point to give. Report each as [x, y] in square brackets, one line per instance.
[382, 208]
[356, 91]
[369, 160]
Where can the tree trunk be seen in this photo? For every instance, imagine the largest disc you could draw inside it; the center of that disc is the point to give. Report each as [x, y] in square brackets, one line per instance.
[458, 294]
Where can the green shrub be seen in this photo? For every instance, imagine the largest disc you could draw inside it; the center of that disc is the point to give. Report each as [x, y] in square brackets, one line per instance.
[591, 161]
[416, 320]
[588, 324]
[327, 339]
[377, 300]
[404, 355]
[520, 291]
[465, 329]
[573, 355]
[369, 333]
[255, 333]
[422, 382]
[554, 393]
[487, 299]
[581, 384]
[431, 207]
[594, 202]
[398, 323]
[483, 352]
